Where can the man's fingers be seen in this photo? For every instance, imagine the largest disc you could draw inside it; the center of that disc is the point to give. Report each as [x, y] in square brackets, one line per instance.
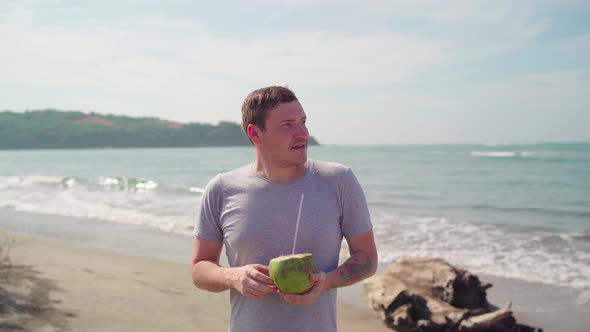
[316, 277]
[261, 287]
[264, 279]
[260, 275]
[284, 296]
[255, 293]
[261, 268]
[319, 279]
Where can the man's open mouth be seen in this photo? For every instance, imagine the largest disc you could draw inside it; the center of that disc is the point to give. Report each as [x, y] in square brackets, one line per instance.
[298, 146]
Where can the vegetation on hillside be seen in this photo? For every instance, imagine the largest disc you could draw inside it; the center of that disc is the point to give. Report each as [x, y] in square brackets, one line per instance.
[51, 129]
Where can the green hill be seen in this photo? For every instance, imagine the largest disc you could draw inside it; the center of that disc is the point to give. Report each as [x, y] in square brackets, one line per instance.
[54, 129]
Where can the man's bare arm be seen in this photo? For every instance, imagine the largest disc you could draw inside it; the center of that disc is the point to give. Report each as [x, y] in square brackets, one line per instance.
[206, 272]
[361, 264]
[250, 280]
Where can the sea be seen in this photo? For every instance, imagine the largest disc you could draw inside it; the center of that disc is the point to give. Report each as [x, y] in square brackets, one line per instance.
[518, 211]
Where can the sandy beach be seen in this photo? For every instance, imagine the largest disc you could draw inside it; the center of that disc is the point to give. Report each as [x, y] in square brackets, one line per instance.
[91, 275]
[75, 287]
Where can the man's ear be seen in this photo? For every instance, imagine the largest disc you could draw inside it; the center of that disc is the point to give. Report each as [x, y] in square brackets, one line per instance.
[253, 131]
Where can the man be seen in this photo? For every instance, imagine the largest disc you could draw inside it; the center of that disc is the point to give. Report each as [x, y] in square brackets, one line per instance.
[253, 211]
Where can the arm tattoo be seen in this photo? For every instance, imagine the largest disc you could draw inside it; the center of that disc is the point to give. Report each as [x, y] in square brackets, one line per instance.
[354, 270]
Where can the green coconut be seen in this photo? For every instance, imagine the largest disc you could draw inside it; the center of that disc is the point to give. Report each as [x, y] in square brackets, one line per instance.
[291, 273]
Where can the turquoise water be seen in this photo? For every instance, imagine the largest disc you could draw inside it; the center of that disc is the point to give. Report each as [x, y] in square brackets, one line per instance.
[512, 210]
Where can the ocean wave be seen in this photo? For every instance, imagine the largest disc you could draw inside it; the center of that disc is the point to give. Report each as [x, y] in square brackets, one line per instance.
[115, 199]
[20, 184]
[541, 155]
[532, 255]
[582, 236]
[544, 211]
[7, 182]
[127, 184]
[105, 182]
[148, 211]
[500, 154]
[196, 190]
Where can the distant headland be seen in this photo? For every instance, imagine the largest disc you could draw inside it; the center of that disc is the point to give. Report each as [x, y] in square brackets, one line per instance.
[56, 129]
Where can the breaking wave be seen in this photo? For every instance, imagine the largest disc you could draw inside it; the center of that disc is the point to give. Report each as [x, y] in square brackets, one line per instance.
[527, 254]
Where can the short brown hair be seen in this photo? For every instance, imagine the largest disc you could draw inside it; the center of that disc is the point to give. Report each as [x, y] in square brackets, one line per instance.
[259, 102]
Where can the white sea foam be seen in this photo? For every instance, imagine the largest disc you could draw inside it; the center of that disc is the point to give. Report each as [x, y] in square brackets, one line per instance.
[169, 214]
[196, 190]
[500, 154]
[7, 182]
[123, 183]
[534, 256]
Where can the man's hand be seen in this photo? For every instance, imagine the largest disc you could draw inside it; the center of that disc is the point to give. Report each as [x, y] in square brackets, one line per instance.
[252, 281]
[319, 280]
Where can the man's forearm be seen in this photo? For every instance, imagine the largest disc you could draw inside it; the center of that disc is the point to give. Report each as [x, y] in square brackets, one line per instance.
[210, 276]
[357, 267]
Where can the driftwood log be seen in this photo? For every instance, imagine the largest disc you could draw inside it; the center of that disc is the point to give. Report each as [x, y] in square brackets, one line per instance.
[428, 294]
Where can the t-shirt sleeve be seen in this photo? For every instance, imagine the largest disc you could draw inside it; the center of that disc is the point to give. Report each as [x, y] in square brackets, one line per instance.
[208, 225]
[356, 219]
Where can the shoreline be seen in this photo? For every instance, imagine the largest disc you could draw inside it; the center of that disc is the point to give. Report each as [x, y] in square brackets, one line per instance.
[117, 285]
[47, 237]
[99, 290]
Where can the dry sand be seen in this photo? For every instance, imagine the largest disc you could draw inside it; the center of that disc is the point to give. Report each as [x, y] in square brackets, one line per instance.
[65, 287]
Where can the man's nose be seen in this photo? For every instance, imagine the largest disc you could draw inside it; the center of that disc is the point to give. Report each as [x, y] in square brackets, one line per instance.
[301, 131]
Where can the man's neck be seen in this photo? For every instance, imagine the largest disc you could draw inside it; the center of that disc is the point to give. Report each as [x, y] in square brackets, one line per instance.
[276, 173]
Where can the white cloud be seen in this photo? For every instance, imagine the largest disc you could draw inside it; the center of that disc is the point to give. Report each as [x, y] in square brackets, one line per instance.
[317, 59]
[175, 59]
[152, 64]
[379, 58]
[491, 27]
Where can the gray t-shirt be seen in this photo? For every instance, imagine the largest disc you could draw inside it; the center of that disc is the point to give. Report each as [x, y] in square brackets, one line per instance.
[256, 218]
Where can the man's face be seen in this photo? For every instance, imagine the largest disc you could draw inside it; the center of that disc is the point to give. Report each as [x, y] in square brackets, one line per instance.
[284, 140]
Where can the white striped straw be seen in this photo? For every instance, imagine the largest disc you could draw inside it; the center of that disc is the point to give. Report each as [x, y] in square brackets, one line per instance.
[297, 226]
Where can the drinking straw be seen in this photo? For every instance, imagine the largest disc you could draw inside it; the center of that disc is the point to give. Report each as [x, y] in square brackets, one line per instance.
[297, 225]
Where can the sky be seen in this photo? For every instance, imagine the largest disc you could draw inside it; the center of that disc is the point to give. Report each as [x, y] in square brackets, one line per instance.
[366, 72]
